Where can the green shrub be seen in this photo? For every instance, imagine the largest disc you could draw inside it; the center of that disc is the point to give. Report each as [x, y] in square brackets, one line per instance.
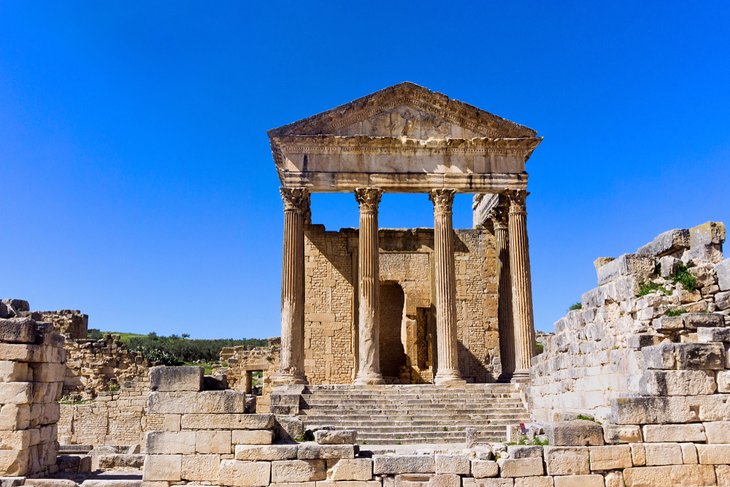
[675, 312]
[651, 287]
[682, 276]
[539, 348]
[575, 306]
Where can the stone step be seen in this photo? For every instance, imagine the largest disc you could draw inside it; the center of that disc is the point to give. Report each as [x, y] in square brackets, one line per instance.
[413, 417]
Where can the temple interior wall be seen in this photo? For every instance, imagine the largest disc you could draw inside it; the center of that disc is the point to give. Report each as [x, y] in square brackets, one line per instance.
[406, 261]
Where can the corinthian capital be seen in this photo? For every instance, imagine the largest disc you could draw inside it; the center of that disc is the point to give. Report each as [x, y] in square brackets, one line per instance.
[442, 199]
[368, 198]
[499, 213]
[295, 199]
[517, 199]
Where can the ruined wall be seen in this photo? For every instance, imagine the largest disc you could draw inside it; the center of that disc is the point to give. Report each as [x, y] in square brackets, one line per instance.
[645, 349]
[31, 378]
[405, 259]
[238, 362]
[71, 323]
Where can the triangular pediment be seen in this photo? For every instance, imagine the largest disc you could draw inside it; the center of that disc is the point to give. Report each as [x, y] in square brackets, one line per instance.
[406, 110]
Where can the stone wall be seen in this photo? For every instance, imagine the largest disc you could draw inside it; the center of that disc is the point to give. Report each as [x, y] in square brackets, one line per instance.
[405, 261]
[31, 379]
[237, 363]
[72, 323]
[642, 334]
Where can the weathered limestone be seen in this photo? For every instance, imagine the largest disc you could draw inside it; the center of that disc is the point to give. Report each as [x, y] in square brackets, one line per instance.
[291, 367]
[445, 283]
[369, 319]
[523, 320]
[176, 379]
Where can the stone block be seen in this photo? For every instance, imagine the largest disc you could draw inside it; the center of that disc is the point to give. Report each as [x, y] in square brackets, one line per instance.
[661, 356]
[723, 475]
[667, 323]
[616, 433]
[266, 452]
[658, 433]
[452, 464]
[669, 242]
[14, 417]
[14, 461]
[703, 320]
[227, 421]
[610, 457]
[641, 266]
[171, 422]
[484, 468]
[20, 352]
[205, 402]
[579, 481]
[201, 467]
[638, 454]
[706, 335]
[722, 300]
[18, 440]
[17, 330]
[351, 469]
[310, 450]
[679, 475]
[252, 437]
[700, 356]
[470, 482]
[236, 473]
[689, 453]
[335, 437]
[174, 379]
[677, 382]
[524, 451]
[567, 460]
[298, 471]
[399, 464]
[338, 483]
[574, 433]
[166, 442]
[445, 480]
[722, 269]
[522, 467]
[213, 441]
[14, 371]
[163, 467]
[16, 392]
[663, 454]
[534, 482]
[671, 409]
[713, 454]
[717, 431]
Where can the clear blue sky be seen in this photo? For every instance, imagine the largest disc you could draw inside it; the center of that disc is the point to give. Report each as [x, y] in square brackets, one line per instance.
[138, 183]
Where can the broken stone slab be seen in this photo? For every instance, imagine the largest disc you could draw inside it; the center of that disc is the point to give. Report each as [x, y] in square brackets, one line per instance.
[669, 242]
[403, 464]
[639, 266]
[174, 379]
[335, 437]
[578, 432]
[18, 330]
[707, 335]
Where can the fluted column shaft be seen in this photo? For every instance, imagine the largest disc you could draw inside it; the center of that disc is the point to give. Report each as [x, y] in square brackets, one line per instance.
[368, 267]
[523, 320]
[291, 367]
[445, 280]
[499, 217]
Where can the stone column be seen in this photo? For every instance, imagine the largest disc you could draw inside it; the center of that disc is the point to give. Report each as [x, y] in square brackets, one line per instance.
[499, 217]
[519, 257]
[446, 343]
[368, 265]
[291, 368]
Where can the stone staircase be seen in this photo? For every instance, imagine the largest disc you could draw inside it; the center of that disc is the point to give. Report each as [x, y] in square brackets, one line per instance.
[415, 414]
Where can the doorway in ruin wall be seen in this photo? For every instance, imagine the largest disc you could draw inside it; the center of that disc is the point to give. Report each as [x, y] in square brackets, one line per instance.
[392, 349]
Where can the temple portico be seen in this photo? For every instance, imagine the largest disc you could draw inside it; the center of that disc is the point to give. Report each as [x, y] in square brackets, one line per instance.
[457, 305]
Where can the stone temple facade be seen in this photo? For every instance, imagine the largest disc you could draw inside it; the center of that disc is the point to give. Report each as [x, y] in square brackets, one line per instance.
[373, 306]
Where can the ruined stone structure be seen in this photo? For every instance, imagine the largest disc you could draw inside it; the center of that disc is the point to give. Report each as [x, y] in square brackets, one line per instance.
[369, 306]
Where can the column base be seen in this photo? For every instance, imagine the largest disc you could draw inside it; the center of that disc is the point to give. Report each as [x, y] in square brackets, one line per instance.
[285, 378]
[505, 378]
[448, 378]
[520, 377]
[370, 379]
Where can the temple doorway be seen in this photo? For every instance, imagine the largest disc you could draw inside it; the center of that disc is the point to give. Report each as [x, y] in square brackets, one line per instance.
[392, 351]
